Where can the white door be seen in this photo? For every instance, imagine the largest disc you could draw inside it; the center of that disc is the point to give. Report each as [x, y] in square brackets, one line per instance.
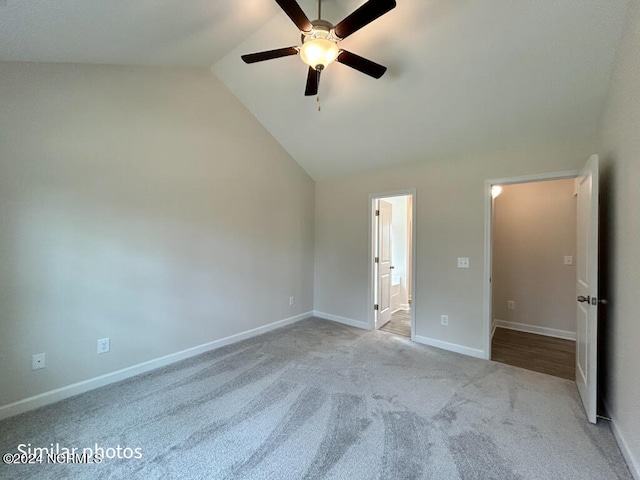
[587, 287]
[384, 263]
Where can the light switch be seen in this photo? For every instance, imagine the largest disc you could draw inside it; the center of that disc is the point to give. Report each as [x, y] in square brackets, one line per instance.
[463, 262]
[568, 260]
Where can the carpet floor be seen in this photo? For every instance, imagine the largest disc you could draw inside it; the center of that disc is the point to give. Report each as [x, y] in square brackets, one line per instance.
[319, 400]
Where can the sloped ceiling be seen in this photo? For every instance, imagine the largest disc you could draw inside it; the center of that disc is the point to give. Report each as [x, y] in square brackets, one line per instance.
[128, 32]
[463, 75]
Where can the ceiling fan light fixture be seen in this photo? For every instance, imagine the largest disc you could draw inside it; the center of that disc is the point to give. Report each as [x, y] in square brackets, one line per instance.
[318, 51]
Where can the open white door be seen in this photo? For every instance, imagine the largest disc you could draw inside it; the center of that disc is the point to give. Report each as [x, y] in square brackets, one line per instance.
[587, 287]
[384, 264]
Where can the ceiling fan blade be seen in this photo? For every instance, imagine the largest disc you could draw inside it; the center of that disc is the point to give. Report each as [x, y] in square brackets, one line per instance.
[269, 54]
[295, 13]
[361, 64]
[364, 15]
[313, 82]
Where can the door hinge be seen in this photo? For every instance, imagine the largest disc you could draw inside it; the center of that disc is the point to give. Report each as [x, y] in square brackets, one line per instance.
[375, 307]
[376, 260]
[377, 213]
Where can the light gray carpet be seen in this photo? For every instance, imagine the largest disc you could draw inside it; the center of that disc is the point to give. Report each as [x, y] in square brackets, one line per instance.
[321, 400]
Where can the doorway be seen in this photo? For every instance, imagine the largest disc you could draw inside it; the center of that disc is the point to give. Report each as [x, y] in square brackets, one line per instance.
[534, 276]
[392, 263]
[586, 260]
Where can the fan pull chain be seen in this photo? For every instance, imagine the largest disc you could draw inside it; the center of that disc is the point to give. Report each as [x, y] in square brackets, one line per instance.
[318, 100]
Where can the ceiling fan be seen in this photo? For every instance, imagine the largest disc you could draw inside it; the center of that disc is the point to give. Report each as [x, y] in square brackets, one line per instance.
[320, 40]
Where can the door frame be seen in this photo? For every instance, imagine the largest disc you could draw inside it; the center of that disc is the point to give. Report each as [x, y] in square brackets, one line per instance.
[488, 240]
[373, 197]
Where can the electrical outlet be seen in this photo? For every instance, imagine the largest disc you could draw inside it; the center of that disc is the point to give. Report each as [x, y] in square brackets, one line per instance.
[511, 305]
[103, 345]
[292, 300]
[463, 262]
[38, 361]
[444, 319]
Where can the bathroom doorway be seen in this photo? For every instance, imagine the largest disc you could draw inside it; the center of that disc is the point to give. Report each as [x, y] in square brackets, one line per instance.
[392, 263]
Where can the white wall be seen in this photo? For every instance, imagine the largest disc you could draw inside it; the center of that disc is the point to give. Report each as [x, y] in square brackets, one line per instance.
[142, 204]
[450, 223]
[534, 228]
[620, 203]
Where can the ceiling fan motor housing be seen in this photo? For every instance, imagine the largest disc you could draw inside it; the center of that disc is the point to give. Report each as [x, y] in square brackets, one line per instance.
[321, 29]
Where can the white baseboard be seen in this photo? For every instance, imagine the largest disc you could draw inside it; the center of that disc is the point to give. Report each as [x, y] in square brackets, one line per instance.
[549, 332]
[67, 391]
[452, 347]
[493, 328]
[632, 462]
[343, 320]
[401, 308]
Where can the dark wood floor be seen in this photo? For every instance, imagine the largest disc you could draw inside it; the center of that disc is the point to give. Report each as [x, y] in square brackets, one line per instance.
[400, 324]
[539, 353]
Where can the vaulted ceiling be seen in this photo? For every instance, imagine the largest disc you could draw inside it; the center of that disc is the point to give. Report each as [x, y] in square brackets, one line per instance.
[462, 76]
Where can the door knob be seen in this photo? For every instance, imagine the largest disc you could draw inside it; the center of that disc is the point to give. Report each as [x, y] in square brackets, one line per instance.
[584, 299]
